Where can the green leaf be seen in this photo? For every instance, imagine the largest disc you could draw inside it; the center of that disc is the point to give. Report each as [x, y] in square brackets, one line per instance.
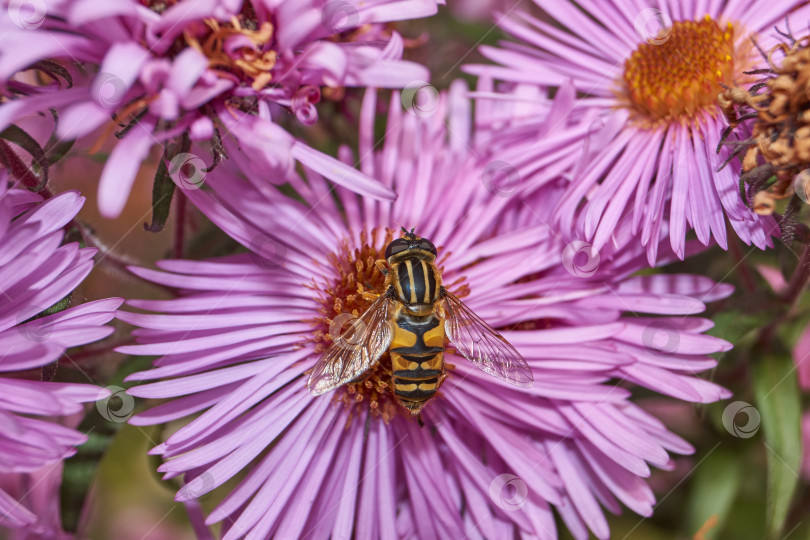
[80, 469]
[734, 326]
[56, 149]
[777, 396]
[162, 193]
[713, 491]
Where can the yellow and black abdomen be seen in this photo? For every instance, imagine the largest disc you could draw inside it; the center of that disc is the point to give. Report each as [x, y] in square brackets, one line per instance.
[417, 358]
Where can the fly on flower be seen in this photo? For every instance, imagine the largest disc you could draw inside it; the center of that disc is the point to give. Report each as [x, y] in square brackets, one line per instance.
[406, 321]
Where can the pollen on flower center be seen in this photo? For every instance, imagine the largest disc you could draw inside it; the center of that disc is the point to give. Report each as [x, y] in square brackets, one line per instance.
[237, 50]
[681, 71]
[342, 302]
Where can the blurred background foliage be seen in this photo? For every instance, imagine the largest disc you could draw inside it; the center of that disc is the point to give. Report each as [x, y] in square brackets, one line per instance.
[731, 487]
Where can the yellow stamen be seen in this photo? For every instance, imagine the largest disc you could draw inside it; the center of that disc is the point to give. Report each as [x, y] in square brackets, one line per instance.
[122, 117]
[251, 64]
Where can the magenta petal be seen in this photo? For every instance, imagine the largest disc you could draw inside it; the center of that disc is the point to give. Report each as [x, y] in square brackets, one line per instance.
[80, 119]
[121, 168]
[340, 173]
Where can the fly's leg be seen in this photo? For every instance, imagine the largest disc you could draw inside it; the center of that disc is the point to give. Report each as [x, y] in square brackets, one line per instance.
[382, 266]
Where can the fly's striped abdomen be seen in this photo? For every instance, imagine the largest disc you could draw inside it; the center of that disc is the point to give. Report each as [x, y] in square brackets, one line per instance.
[417, 281]
[417, 359]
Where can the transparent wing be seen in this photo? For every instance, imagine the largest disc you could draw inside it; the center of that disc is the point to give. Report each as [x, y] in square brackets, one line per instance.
[482, 345]
[356, 350]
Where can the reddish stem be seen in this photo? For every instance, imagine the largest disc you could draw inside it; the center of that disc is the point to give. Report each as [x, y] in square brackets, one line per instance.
[745, 273]
[180, 224]
[799, 278]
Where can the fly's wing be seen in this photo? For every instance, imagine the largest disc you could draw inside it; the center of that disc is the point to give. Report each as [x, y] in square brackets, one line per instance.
[482, 345]
[355, 350]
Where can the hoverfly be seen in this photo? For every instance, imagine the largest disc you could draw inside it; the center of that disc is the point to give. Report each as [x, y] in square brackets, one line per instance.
[409, 320]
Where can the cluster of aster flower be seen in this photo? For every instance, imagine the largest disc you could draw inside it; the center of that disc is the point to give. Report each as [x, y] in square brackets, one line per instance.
[550, 190]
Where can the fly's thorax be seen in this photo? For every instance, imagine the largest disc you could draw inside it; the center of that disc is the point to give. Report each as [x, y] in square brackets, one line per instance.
[417, 282]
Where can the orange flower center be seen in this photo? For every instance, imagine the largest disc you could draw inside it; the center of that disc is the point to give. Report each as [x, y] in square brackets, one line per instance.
[680, 71]
[252, 63]
[341, 302]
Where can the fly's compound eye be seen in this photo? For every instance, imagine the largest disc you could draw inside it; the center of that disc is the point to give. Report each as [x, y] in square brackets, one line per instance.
[397, 246]
[427, 245]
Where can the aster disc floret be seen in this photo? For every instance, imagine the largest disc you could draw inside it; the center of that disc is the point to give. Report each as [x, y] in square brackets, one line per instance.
[205, 80]
[238, 341]
[343, 298]
[38, 271]
[678, 73]
[637, 118]
[776, 113]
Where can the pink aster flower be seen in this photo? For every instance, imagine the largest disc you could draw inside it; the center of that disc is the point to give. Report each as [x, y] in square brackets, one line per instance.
[38, 493]
[638, 129]
[178, 73]
[36, 272]
[485, 459]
